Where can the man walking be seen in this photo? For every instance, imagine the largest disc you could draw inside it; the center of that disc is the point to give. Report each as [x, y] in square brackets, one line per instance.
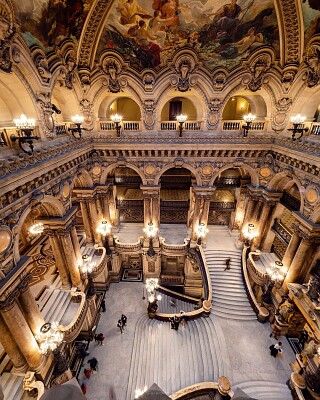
[120, 326]
[124, 320]
[228, 260]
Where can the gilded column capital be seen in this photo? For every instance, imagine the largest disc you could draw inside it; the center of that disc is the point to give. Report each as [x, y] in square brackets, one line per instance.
[7, 299]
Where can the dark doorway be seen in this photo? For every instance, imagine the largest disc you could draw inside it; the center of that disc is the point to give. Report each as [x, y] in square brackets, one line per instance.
[175, 108]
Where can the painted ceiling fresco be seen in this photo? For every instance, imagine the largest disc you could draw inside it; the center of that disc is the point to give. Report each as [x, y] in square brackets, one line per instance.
[222, 32]
[48, 22]
[311, 16]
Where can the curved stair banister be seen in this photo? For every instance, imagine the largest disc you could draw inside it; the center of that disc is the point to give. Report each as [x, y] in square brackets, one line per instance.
[172, 248]
[262, 312]
[72, 330]
[99, 268]
[206, 306]
[124, 247]
[198, 389]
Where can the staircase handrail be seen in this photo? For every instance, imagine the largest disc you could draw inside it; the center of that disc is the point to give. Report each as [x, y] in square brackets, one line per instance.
[98, 269]
[127, 246]
[262, 312]
[197, 387]
[72, 330]
[258, 277]
[206, 305]
[176, 295]
[173, 247]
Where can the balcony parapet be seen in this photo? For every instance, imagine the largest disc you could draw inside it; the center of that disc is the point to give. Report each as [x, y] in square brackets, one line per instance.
[127, 247]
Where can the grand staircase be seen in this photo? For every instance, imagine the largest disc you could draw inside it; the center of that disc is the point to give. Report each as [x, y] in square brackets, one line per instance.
[12, 386]
[176, 359]
[229, 299]
[265, 390]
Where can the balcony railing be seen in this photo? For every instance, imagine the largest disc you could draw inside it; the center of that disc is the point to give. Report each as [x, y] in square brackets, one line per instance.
[126, 204]
[281, 231]
[227, 182]
[127, 126]
[61, 130]
[315, 129]
[173, 126]
[234, 125]
[222, 205]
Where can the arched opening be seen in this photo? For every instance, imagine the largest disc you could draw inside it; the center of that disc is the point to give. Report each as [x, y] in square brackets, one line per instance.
[126, 107]
[129, 197]
[175, 195]
[177, 106]
[236, 108]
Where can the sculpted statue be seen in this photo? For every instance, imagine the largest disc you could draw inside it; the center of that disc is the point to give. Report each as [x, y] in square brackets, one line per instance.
[313, 288]
[286, 311]
[310, 349]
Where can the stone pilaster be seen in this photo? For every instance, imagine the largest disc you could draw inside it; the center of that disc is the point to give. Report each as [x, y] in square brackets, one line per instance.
[151, 203]
[86, 220]
[58, 253]
[30, 310]
[202, 196]
[291, 249]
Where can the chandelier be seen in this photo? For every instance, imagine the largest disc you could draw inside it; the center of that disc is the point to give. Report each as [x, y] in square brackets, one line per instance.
[36, 229]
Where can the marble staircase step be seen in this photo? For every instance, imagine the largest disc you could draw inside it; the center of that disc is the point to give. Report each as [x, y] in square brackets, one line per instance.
[234, 316]
[229, 307]
[222, 298]
[12, 386]
[262, 390]
[55, 307]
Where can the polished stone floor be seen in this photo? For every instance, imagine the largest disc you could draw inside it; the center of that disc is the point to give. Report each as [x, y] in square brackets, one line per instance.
[246, 353]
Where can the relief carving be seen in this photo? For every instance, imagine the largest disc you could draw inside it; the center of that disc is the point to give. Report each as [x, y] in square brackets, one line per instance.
[214, 112]
[258, 69]
[149, 115]
[287, 80]
[41, 63]
[219, 81]
[112, 69]
[86, 109]
[312, 59]
[184, 67]
[7, 35]
[148, 82]
[47, 121]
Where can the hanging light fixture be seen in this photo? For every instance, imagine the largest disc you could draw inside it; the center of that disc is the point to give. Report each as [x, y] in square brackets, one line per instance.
[36, 229]
[277, 272]
[77, 120]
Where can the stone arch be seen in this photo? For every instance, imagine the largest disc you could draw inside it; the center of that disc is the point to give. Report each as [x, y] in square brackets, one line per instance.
[251, 171]
[110, 167]
[175, 165]
[53, 208]
[285, 180]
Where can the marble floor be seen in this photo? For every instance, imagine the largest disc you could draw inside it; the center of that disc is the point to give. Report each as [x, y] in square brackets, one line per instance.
[245, 353]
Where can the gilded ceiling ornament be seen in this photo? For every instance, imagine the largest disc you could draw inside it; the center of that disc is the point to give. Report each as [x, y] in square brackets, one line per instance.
[258, 69]
[148, 82]
[219, 81]
[112, 69]
[283, 104]
[287, 80]
[149, 116]
[41, 63]
[184, 66]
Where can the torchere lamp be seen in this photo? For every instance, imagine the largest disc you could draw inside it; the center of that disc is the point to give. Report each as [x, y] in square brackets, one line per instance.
[50, 339]
[277, 272]
[298, 128]
[151, 232]
[248, 119]
[201, 232]
[104, 229]
[77, 120]
[181, 119]
[86, 268]
[116, 119]
[25, 128]
[249, 234]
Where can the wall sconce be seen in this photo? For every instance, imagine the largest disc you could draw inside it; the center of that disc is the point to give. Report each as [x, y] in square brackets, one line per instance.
[248, 119]
[86, 268]
[181, 119]
[25, 126]
[297, 122]
[201, 232]
[104, 229]
[151, 232]
[116, 119]
[77, 120]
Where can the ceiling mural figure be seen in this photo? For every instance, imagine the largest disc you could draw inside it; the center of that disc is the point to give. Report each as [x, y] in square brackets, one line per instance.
[222, 33]
[311, 17]
[48, 22]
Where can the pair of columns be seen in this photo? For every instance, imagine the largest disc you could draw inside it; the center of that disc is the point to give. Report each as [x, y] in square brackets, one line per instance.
[20, 322]
[96, 205]
[65, 246]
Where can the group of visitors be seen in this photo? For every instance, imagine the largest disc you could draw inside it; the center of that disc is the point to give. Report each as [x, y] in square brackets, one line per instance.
[93, 364]
[176, 320]
[99, 339]
[122, 322]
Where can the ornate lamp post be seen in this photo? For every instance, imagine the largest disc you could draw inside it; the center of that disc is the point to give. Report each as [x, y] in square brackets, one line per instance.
[77, 120]
[152, 285]
[151, 232]
[116, 118]
[248, 119]
[249, 234]
[201, 232]
[276, 273]
[25, 126]
[181, 119]
[297, 122]
[104, 229]
[86, 269]
[50, 339]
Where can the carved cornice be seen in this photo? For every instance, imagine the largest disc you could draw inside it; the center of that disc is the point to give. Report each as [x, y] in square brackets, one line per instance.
[7, 299]
[292, 52]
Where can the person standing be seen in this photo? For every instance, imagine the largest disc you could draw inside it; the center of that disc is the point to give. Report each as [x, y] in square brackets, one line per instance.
[100, 339]
[103, 306]
[124, 320]
[120, 326]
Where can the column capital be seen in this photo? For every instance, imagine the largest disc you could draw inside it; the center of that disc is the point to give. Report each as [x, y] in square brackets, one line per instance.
[306, 234]
[8, 297]
[150, 190]
[60, 224]
[205, 192]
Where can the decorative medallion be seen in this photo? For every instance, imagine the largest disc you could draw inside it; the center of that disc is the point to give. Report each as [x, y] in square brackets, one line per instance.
[312, 195]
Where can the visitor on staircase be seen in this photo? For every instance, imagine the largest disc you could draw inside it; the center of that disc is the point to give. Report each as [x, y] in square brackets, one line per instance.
[228, 260]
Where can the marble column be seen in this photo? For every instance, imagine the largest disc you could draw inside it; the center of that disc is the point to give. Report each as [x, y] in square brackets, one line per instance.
[151, 204]
[257, 210]
[31, 310]
[70, 258]
[299, 263]
[248, 213]
[86, 221]
[23, 335]
[11, 348]
[291, 250]
[76, 244]
[58, 253]
[94, 219]
[262, 224]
